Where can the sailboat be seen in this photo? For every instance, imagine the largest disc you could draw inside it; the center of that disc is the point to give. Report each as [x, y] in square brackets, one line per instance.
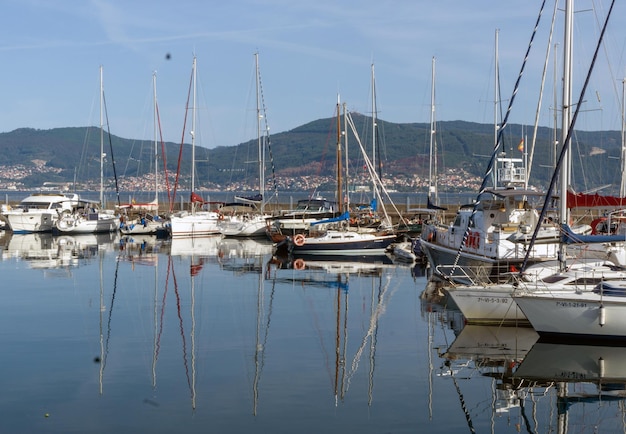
[545, 295]
[92, 218]
[252, 221]
[338, 241]
[194, 222]
[148, 221]
[491, 236]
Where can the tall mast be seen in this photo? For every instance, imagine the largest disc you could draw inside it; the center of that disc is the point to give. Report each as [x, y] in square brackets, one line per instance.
[555, 140]
[432, 171]
[156, 144]
[566, 109]
[622, 190]
[101, 139]
[258, 126]
[193, 136]
[339, 162]
[496, 89]
[345, 141]
[374, 115]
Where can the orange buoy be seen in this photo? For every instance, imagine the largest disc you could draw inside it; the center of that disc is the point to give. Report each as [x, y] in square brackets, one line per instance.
[298, 264]
[298, 240]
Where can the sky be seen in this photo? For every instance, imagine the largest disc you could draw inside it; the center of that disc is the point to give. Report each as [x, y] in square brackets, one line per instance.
[309, 53]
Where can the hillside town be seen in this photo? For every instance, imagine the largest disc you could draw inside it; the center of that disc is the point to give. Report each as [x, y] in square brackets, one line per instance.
[13, 177]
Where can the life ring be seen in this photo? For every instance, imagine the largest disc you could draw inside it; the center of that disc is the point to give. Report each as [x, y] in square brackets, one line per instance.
[221, 216]
[298, 264]
[298, 240]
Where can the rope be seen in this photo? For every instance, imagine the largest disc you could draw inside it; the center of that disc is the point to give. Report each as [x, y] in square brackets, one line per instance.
[566, 144]
[496, 147]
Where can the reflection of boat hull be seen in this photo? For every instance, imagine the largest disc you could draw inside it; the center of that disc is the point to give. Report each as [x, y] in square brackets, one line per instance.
[574, 363]
[492, 343]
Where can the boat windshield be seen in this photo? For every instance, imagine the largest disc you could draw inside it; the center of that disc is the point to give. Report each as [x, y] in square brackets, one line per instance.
[37, 205]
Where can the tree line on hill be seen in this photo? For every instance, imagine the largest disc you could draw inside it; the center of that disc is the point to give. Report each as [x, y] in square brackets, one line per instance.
[402, 149]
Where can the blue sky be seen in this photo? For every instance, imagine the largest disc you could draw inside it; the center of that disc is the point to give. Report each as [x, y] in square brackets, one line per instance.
[308, 53]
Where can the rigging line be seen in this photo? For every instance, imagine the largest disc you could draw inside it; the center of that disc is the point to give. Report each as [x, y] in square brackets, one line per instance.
[529, 166]
[106, 347]
[106, 113]
[267, 137]
[182, 334]
[164, 156]
[378, 184]
[497, 145]
[182, 142]
[566, 144]
[170, 268]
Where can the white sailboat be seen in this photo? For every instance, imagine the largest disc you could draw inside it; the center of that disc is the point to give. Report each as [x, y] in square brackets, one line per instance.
[194, 222]
[148, 221]
[92, 218]
[252, 222]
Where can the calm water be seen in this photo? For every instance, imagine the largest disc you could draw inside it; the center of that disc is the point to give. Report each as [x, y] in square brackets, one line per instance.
[212, 335]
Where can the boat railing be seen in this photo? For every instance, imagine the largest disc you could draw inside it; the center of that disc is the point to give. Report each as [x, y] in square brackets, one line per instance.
[466, 274]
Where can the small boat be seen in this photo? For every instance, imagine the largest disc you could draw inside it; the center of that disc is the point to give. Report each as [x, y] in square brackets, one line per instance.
[146, 224]
[338, 242]
[92, 220]
[39, 212]
[405, 251]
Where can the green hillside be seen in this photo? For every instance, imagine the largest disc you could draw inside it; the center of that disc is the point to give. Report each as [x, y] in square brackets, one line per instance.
[72, 154]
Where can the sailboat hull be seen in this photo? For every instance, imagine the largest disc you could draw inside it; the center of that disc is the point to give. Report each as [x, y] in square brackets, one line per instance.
[195, 224]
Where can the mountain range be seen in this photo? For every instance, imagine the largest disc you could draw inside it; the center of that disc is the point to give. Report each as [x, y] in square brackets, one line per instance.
[71, 155]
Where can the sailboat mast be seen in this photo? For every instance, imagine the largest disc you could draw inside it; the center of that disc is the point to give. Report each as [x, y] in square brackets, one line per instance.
[566, 109]
[345, 140]
[339, 162]
[156, 144]
[622, 190]
[101, 139]
[374, 115]
[193, 135]
[496, 88]
[259, 139]
[432, 171]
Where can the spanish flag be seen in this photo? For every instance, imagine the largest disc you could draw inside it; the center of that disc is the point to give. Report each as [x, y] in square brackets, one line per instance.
[520, 147]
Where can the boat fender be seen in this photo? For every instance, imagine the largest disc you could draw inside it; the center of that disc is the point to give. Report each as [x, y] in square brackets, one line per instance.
[602, 316]
[298, 240]
[298, 264]
[221, 216]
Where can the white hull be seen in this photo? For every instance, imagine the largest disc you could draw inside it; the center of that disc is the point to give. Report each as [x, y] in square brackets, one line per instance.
[196, 224]
[31, 221]
[82, 225]
[404, 251]
[575, 315]
[496, 304]
[488, 305]
[138, 228]
[237, 226]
